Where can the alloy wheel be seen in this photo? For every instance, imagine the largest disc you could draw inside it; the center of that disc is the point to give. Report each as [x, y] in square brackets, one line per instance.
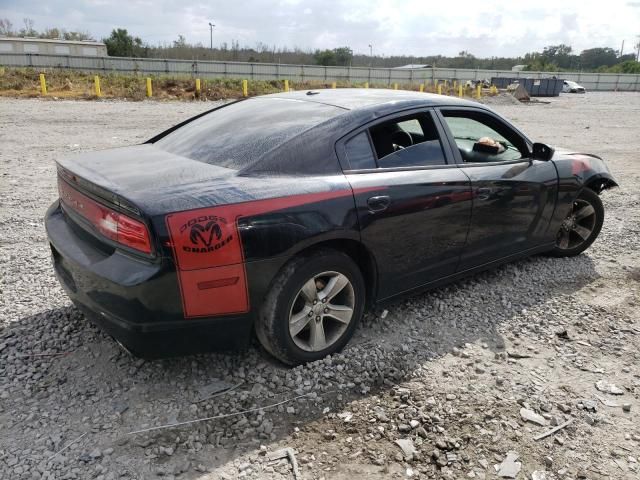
[321, 311]
[577, 228]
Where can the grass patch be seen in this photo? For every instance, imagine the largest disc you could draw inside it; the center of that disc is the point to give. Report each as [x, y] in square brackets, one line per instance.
[70, 84]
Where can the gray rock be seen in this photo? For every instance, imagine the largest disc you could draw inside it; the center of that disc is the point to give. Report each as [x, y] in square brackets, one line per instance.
[533, 417]
[407, 447]
[404, 428]
[610, 388]
[510, 467]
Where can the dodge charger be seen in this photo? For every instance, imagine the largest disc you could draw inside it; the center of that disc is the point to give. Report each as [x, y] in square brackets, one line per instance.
[288, 215]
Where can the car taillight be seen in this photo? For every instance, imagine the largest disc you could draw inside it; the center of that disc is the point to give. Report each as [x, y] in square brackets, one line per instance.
[109, 223]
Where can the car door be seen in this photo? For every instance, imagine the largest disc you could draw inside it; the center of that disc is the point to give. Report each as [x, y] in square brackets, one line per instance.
[514, 195]
[413, 202]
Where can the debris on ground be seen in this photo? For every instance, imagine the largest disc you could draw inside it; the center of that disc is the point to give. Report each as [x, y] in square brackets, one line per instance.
[510, 467]
[447, 371]
[607, 387]
[533, 417]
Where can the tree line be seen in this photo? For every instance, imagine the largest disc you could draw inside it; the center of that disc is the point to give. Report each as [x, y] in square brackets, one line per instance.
[28, 30]
[552, 58]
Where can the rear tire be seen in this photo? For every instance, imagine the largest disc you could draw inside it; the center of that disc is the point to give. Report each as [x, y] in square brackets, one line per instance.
[581, 227]
[313, 307]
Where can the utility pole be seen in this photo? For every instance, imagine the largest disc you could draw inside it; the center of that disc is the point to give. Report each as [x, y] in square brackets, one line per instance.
[638, 49]
[211, 25]
[622, 49]
[371, 55]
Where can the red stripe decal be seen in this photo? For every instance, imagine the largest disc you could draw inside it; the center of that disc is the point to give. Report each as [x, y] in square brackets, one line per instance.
[208, 252]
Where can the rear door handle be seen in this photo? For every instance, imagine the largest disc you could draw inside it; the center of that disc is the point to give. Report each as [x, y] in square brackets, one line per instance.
[378, 204]
[483, 193]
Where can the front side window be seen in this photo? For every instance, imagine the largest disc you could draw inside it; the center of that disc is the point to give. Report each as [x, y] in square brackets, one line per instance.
[481, 138]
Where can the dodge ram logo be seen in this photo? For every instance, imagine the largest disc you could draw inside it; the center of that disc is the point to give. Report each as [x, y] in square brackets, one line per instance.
[207, 233]
[204, 234]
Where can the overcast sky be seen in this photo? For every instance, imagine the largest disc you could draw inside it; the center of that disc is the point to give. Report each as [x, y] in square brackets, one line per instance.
[420, 27]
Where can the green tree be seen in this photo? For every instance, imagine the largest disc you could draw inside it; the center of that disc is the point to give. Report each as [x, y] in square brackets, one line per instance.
[77, 35]
[593, 58]
[325, 57]
[630, 66]
[344, 56]
[121, 44]
[559, 55]
[537, 62]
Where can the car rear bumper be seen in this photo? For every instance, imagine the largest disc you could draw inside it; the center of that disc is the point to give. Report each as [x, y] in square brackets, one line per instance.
[135, 301]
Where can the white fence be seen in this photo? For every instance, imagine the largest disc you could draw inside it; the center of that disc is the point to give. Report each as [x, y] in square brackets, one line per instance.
[272, 71]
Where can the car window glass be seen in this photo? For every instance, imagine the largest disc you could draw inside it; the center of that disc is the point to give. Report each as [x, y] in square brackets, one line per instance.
[479, 142]
[359, 153]
[239, 134]
[408, 142]
[421, 155]
[412, 126]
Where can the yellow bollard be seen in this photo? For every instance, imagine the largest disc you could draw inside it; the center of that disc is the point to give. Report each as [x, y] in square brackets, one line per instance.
[421, 87]
[366, 84]
[478, 91]
[395, 86]
[435, 85]
[286, 85]
[96, 83]
[439, 89]
[245, 88]
[455, 85]
[43, 84]
[334, 85]
[460, 91]
[149, 88]
[198, 87]
[445, 84]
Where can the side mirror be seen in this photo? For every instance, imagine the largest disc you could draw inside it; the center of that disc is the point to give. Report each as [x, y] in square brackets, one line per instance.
[542, 152]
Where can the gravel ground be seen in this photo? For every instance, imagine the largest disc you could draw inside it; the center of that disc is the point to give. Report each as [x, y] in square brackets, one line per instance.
[451, 384]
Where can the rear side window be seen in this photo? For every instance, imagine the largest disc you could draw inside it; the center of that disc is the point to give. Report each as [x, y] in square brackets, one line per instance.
[239, 134]
[408, 142]
[359, 153]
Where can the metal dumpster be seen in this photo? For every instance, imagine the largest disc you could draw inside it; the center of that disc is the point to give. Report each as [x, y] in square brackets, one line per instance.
[536, 87]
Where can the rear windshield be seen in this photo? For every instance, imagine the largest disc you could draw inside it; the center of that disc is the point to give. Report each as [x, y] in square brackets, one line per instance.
[237, 135]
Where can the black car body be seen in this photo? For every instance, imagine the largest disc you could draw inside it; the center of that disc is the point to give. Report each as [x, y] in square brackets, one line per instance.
[172, 246]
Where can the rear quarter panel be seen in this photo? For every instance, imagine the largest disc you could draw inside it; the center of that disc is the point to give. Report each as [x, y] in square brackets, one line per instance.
[226, 255]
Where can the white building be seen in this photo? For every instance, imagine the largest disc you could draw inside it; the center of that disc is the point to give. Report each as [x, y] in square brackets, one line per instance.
[45, 46]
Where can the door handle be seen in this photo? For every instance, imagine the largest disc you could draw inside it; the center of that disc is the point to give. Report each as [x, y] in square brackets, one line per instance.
[378, 204]
[483, 193]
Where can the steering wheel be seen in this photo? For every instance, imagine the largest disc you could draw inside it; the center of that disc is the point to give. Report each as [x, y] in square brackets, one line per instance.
[401, 140]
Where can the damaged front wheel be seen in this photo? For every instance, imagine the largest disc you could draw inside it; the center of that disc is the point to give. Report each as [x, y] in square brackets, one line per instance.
[581, 226]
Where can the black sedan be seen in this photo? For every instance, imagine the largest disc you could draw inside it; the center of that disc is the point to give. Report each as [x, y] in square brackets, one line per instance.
[289, 214]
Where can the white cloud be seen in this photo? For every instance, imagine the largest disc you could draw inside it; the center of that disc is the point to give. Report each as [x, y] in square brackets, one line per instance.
[485, 28]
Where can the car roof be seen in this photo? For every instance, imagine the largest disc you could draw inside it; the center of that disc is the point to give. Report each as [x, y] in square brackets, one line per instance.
[365, 98]
[360, 106]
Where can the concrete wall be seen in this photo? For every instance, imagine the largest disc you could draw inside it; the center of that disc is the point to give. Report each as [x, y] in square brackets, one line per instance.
[269, 71]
